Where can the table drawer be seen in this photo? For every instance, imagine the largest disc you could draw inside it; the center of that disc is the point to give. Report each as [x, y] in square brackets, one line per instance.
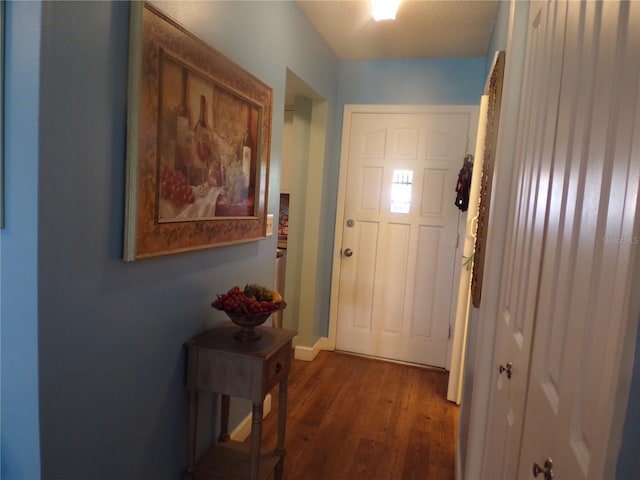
[277, 367]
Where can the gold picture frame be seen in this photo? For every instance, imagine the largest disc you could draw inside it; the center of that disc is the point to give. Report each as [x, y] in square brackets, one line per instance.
[198, 143]
[494, 91]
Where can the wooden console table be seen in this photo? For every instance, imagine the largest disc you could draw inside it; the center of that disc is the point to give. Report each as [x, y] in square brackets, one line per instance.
[217, 362]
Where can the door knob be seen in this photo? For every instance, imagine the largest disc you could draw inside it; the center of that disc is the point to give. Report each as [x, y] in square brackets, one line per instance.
[348, 252]
[506, 368]
[547, 471]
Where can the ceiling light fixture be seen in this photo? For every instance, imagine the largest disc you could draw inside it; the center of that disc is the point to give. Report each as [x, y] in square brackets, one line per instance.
[384, 9]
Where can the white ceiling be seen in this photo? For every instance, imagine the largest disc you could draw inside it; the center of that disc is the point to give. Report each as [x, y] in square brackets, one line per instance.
[422, 29]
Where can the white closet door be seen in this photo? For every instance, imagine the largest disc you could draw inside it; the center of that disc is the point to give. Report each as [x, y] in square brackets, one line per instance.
[581, 313]
[525, 233]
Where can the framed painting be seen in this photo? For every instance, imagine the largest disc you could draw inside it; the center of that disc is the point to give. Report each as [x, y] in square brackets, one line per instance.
[494, 91]
[198, 143]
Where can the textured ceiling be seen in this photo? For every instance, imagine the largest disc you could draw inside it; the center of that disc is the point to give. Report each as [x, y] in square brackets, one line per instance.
[422, 28]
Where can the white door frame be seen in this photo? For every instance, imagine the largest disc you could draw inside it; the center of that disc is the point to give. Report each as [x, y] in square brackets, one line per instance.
[467, 236]
[349, 109]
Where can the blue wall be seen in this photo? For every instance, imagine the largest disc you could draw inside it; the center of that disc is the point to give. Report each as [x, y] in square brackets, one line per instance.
[19, 246]
[412, 82]
[499, 34]
[92, 359]
[629, 460]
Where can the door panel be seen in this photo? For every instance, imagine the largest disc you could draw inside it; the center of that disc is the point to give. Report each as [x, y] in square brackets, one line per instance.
[397, 274]
[586, 275]
[567, 277]
[524, 240]
[358, 281]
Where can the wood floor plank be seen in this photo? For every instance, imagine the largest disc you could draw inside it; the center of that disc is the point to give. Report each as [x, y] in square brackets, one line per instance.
[355, 418]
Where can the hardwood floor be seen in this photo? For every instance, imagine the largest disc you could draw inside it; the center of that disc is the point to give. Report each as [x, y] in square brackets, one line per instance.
[355, 418]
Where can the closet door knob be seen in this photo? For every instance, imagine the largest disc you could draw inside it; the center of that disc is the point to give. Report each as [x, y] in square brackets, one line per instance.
[547, 471]
[347, 252]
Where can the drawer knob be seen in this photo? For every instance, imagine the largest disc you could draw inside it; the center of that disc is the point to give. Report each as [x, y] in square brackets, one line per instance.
[278, 367]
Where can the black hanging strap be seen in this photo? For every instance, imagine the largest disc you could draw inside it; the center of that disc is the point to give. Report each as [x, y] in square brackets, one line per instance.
[464, 183]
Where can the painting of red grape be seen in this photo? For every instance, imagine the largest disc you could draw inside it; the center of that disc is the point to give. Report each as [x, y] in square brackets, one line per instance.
[207, 158]
[198, 143]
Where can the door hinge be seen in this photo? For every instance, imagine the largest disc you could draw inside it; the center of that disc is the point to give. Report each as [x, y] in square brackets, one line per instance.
[449, 334]
[457, 240]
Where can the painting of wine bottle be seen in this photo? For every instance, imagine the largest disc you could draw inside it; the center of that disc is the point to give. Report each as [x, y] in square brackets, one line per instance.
[198, 143]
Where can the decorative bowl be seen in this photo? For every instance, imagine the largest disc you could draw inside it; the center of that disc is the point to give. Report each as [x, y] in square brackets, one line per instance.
[249, 307]
[248, 321]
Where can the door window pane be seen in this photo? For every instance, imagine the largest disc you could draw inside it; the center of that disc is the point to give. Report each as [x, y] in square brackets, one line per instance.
[401, 191]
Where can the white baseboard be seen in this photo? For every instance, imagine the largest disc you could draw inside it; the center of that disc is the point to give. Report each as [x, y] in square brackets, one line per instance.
[243, 430]
[309, 353]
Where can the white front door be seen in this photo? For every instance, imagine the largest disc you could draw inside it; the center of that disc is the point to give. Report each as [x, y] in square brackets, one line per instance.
[399, 233]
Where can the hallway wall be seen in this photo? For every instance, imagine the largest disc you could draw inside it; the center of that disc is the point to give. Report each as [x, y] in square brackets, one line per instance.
[19, 402]
[92, 357]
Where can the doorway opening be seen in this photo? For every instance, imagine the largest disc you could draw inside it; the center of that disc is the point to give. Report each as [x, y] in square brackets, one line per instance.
[302, 174]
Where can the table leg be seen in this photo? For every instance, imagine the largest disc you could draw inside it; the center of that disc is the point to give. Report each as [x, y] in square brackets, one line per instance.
[256, 439]
[192, 425]
[224, 419]
[282, 423]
